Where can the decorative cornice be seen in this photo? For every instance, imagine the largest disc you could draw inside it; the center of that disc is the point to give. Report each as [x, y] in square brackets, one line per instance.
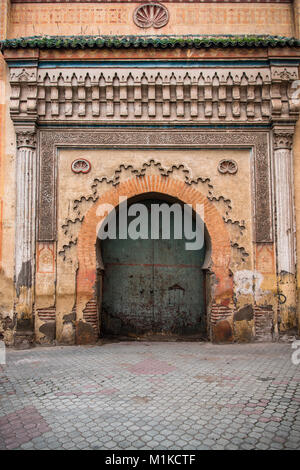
[145, 95]
[119, 42]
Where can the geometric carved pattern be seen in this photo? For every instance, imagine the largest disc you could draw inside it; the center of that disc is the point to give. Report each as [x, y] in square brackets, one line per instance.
[51, 140]
[228, 166]
[151, 15]
[136, 94]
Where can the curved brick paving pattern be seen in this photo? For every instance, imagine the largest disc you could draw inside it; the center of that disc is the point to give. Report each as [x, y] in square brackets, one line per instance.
[132, 395]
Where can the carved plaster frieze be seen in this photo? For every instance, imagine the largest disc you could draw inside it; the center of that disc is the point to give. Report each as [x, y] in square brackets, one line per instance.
[153, 94]
[284, 73]
[81, 205]
[51, 140]
[23, 98]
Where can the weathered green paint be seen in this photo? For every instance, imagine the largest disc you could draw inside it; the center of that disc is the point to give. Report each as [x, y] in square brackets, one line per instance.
[152, 286]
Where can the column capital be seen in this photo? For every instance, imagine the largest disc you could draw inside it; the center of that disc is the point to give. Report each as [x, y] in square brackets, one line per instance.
[26, 137]
[283, 137]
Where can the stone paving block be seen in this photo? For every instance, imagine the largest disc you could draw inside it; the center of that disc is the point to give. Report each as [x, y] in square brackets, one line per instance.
[151, 396]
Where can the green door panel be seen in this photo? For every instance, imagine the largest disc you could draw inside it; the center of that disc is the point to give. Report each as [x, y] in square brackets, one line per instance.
[178, 286]
[152, 286]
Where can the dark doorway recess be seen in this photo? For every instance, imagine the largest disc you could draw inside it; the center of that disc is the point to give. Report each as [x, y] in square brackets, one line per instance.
[152, 288]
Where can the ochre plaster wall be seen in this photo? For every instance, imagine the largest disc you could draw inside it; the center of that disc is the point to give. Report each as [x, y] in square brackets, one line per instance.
[296, 154]
[7, 192]
[115, 18]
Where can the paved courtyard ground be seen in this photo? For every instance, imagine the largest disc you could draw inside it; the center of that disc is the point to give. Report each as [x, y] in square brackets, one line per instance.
[142, 395]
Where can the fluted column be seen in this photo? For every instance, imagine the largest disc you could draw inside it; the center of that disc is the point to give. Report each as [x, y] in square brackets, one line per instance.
[285, 226]
[25, 235]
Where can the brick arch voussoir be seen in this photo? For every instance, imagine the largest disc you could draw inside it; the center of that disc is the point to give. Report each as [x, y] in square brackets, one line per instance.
[219, 236]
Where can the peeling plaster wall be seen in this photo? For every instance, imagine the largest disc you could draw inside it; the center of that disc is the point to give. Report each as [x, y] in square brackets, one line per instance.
[7, 194]
[7, 222]
[296, 154]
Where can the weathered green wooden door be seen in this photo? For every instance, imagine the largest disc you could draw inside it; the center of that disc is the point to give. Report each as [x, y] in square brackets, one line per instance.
[152, 286]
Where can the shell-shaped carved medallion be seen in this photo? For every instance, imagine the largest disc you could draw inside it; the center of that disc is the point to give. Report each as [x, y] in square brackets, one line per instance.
[151, 15]
[227, 166]
[81, 166]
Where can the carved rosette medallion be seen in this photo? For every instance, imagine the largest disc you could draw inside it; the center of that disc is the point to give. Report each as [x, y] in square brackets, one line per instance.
[81, 166]
[227, 166]
[151, 15]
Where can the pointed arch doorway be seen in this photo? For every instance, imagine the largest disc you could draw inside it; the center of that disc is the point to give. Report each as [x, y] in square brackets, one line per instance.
[152, 287]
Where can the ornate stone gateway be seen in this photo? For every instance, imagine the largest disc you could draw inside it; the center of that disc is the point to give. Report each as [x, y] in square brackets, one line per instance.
[205, 125]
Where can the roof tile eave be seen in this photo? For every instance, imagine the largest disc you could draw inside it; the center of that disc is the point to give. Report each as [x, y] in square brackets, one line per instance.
[158, 41]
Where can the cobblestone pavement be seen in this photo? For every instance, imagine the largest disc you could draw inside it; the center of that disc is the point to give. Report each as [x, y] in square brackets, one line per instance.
[131, 395]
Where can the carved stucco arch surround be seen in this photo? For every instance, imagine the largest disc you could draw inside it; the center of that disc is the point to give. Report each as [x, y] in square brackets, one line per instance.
[51, 140]
[219, 236]
[256, 140]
